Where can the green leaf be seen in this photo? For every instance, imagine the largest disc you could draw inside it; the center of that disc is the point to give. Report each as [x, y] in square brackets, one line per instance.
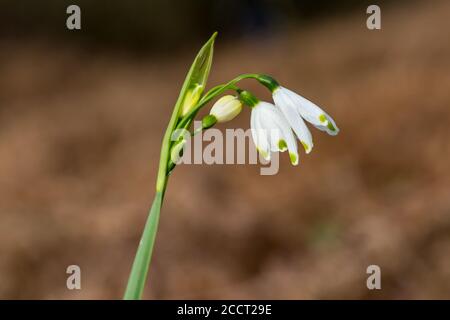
[139, 270]
[196, 79]
[193, 86]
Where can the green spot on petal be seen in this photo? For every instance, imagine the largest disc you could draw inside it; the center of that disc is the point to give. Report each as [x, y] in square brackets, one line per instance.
[323, 118]
[330, 126]
[282, 145]
[263, 153]
[293, 157]
[305, 146]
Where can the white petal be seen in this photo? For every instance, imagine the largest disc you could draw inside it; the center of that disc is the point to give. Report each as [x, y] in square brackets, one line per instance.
[311, 112]
[259, 135]
[276, 140]
[290, 140]
[281, 136]
[329, 125]
[290, 112]
[268, 119]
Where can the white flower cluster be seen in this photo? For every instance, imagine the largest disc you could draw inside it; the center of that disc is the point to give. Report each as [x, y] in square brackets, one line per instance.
[273, 126]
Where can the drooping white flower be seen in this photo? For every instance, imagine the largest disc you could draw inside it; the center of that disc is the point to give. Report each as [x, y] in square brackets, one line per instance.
[295, 107]
[271, 132]
[226, 108]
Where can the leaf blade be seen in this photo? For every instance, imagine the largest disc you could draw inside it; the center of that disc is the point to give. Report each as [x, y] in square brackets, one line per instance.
[197, 75]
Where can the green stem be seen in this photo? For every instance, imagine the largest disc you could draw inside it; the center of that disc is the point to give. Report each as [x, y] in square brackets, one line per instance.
[139, 271]
[196, 77]
[211, 94]
[186, 121]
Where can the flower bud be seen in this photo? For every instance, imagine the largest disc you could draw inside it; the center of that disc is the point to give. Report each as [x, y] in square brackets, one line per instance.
[192, 97]
[226, 108]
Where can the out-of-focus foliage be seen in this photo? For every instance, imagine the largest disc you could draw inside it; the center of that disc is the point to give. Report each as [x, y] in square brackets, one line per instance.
[80, 136]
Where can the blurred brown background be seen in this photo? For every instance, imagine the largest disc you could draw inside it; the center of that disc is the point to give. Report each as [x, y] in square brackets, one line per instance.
[82, 115]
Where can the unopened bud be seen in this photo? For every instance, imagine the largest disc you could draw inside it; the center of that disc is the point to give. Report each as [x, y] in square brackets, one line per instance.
[226, 108]
[190, 100]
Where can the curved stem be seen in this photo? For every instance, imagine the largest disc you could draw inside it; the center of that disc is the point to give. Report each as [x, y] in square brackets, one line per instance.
[211, 94]
[186, 121]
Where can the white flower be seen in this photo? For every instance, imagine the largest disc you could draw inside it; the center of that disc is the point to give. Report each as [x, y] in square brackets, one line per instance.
[271, 131]
[226, 108]
[295, 107]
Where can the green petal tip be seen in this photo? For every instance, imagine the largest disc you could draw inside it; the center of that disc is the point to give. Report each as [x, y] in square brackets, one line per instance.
[294, 158]
[282, 146]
